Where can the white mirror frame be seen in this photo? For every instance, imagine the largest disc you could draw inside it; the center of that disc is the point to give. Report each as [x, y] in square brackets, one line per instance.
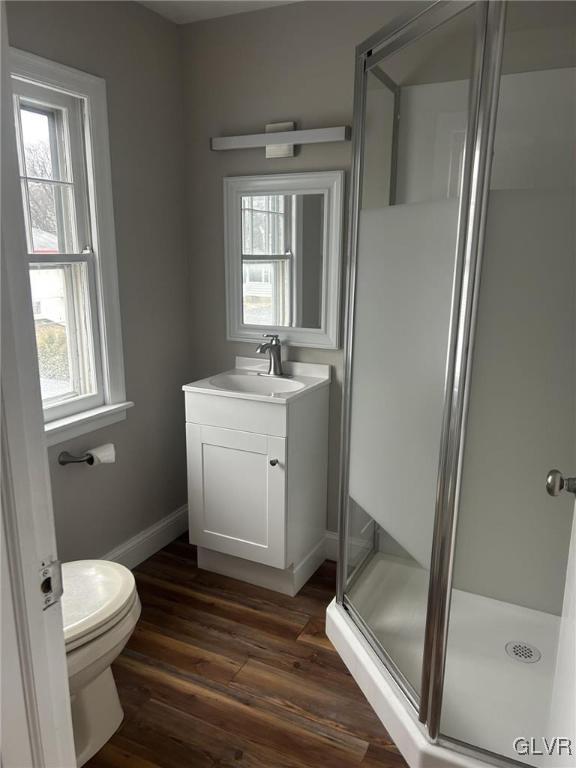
[331, 185]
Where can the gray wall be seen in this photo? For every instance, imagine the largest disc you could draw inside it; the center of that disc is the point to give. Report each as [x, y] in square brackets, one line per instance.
[139, 54]
[294, 62]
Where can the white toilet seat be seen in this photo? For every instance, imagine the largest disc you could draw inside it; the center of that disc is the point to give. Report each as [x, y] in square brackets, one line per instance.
[117, 619]
[97, 595]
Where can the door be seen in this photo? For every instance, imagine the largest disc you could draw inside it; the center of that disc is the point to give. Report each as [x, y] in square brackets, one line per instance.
[411, 143]
[36, 725]
[236, 483]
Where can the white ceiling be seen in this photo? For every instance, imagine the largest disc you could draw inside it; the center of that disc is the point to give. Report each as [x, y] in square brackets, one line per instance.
[186, 11]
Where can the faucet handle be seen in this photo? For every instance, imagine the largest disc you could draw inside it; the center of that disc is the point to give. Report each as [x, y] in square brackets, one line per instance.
[274, 336]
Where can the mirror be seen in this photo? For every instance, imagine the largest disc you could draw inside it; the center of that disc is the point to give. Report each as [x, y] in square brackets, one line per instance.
[283, 254]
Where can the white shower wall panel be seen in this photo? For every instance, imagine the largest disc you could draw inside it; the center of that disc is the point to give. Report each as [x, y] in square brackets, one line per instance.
[533, 146]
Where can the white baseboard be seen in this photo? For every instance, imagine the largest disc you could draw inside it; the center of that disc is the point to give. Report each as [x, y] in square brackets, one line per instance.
[149, 541]
[146, 543]
[309, 565]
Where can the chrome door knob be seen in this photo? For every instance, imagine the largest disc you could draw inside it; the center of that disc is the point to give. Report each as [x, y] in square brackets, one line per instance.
[556, 483]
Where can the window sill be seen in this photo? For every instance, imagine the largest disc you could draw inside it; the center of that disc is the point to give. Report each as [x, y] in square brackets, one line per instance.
[60, 430]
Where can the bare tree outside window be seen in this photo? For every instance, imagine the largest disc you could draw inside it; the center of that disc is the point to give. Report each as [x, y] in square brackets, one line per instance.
[42, 201]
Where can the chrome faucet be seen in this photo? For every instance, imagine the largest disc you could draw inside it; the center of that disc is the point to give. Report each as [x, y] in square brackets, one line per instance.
[274, 349]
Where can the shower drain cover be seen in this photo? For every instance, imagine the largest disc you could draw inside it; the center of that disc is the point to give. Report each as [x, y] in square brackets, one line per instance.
[522, 651]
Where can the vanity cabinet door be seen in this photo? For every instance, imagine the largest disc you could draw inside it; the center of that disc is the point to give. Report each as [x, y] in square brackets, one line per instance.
[236, 489]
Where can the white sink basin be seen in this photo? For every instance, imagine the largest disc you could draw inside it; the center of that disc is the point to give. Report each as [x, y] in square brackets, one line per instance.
[255, 384]
[244, 382]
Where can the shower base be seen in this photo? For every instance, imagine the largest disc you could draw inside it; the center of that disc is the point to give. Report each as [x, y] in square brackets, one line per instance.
[490, 697]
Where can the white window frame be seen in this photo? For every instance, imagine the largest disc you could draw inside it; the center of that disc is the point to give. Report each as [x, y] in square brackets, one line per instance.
[105, 303]
[330, 184]
[78, 253]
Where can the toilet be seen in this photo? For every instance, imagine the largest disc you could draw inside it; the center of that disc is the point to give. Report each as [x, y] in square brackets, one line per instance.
[100, 608]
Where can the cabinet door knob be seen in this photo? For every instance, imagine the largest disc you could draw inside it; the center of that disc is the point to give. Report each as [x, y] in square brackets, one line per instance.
[273, 462]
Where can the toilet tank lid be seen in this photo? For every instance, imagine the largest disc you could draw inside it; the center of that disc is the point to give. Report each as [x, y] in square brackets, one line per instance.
[94, 592]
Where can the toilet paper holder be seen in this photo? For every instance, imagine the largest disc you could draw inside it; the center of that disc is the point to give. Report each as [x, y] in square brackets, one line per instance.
[102, 454]
[67, 458]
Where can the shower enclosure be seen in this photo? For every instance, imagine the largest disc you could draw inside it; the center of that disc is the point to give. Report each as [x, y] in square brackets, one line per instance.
[456, 590]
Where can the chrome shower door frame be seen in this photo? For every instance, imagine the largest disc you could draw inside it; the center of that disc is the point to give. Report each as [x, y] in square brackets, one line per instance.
[471, 229]
[482, 109]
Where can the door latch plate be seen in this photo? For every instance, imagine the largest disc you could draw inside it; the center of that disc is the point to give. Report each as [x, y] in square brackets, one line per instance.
[50, 582]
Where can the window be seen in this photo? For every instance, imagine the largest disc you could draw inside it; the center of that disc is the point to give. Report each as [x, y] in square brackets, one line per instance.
[267, 231]
[56, 215]
[63, 156]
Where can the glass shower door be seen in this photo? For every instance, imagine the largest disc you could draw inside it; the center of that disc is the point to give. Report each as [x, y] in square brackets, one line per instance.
[509, 678]
[416, 108]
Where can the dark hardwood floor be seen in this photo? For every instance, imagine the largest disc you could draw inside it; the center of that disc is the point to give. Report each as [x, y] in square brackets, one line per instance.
[223, 673]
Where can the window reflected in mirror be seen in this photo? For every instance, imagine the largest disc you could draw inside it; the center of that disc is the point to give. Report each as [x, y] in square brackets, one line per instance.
[282, 259]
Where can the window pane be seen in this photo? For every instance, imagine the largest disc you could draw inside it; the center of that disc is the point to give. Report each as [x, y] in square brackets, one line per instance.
[266, 292]
[38, 136]
[62, 318]
[247, 232]
[52, 220]
[263, 225]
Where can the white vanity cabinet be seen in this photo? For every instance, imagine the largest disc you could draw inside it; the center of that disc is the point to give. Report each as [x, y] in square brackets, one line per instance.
[257, 473]
[237, 492]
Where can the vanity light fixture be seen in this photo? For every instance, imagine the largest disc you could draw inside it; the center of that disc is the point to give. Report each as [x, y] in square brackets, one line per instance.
[279, 150]
[286, 138]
